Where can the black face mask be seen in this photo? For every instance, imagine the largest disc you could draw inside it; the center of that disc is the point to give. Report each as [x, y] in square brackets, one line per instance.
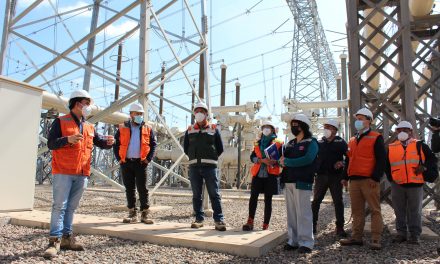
[295, 130]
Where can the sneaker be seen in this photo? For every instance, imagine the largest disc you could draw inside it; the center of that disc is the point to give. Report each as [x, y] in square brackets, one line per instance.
[220, 226]
[53, 248]
[304, 250]
[132, 217]
[249, 226]
[144, 217]
[398, 239]
[197, 224]
[350, 242]
[414, 240]
[265, 226]
[375, 245]
[340, 232]
[290, 247]
[68, 242]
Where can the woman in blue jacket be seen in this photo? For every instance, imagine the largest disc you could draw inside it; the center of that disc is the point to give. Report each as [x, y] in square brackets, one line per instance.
[298, 174]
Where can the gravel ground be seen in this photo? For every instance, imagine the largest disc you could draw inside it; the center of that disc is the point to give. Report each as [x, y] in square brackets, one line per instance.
[25, 245]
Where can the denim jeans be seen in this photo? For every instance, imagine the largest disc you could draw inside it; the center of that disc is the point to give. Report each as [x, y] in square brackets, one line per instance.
[67, 192]
[196, 175]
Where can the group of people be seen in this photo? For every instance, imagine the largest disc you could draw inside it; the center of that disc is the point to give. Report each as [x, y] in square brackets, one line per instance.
[329, 163]
[332, 164]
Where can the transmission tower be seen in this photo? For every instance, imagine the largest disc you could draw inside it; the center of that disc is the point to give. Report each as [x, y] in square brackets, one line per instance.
[313, 68]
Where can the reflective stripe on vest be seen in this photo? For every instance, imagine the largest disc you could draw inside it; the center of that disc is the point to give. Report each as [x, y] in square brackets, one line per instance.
[273, 170]
[124, 139]
[73, 159]
[361, 155]
[404, 162]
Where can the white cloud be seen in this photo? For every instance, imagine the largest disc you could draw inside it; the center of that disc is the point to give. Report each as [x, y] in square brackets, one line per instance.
[118, 29]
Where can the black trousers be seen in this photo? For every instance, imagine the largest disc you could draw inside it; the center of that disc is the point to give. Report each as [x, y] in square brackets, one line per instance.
[322, 183]
[268, 186]
[134, 176]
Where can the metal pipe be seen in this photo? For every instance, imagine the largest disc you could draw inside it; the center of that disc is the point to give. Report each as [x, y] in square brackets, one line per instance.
[318, 104]
[343, 58]
[223, 85]
[144, 51]
[162, 71]
[91, 45]
[338, 92]
[118, 71]
[5, 36]
[237, 94]
[193, 101]
[202, 76]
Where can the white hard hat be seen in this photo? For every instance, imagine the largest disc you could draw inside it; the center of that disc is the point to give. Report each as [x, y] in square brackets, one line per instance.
[136, 107]
[267, 123]
[364, 111]
[201, 105]
[333, 123]
[303, 118]
[80, 94]
[404, 124]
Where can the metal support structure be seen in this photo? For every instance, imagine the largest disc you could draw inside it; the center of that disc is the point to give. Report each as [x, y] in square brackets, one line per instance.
[223, 68]
[237, 95]
[91, 45]
[9, 11]
[313, 69]
[344, 96]
[162, 71]
[144, 50]
[118, 71]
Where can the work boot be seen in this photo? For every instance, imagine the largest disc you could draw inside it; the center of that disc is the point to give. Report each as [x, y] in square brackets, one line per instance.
[197, 224]
[414, 240]
[375, 245]
[144, 217]
[350, 242]
[249, 226]
[132, 216]
[265, 226]
[68, 243]
[399, 239]
[220, 226]
[340, 232]
[53, 248]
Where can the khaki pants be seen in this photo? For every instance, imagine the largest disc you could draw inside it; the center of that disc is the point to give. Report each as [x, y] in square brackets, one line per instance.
[361, 192]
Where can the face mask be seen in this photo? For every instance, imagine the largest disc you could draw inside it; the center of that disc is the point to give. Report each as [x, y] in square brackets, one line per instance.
[327, 133]
[267, 131]
[295, 130]
[86, 110]
[359, 125]
[402, 136]
[138, 119]
[200, 117]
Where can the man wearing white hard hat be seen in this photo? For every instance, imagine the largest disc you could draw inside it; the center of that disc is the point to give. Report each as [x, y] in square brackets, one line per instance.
[299, 162]
[409, 164]
[265, 173]
[332, 149]
[71, 139]
[203, 145]
[365, 165]
[134, 150]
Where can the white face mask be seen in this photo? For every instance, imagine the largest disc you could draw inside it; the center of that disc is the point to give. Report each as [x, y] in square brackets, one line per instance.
[327, 133]
[402, 136]
[86, 110]
[200, 117]
[267, 131]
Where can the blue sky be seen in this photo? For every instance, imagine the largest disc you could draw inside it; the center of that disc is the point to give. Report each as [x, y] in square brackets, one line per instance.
[230, 38]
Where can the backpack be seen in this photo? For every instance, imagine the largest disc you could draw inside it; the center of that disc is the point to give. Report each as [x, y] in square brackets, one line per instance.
[431, 174]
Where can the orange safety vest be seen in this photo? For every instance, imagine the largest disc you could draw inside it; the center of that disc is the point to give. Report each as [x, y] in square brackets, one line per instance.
[361, 155]
[404, 162]
[275, 169]
[124, 138]
[74, 159]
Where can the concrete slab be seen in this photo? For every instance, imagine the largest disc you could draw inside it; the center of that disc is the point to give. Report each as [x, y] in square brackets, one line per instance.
[235, 241]
[153, 209]
[427, 233]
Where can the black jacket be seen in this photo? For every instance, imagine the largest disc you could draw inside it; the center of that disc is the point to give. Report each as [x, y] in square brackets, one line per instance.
[329, 153]
[435, 142]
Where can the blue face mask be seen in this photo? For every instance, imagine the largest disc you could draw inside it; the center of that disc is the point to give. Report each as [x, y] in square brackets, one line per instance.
[359, 125]
[138, 119]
